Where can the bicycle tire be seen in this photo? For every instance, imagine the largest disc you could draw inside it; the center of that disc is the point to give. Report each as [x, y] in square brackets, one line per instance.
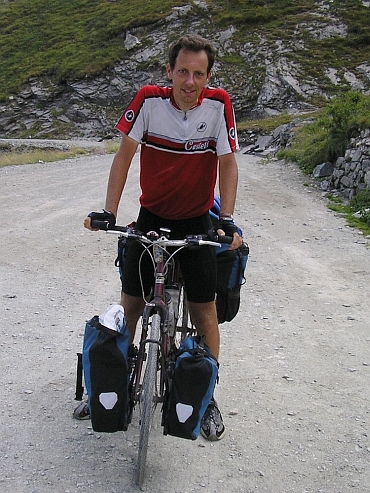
[148, 399]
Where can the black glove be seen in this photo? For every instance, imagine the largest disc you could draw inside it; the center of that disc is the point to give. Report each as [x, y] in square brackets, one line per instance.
[105, 216]
[227, 225]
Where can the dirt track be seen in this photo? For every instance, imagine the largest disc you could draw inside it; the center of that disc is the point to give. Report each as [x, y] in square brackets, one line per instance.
[295, 363]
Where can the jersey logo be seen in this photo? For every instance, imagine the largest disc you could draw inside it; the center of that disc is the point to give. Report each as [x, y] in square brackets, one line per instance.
[129, 115]
[232, 133]
[200, 145]
[201, 126]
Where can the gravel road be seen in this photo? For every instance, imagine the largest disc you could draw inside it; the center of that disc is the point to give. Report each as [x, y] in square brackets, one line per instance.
[295, 362]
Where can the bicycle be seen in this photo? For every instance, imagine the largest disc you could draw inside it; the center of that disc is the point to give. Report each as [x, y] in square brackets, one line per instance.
[165, 323]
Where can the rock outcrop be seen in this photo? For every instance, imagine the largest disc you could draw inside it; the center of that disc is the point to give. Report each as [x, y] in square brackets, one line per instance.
[260, 73]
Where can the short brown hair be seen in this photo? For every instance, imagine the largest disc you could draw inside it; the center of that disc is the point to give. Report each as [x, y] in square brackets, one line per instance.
[192, 42]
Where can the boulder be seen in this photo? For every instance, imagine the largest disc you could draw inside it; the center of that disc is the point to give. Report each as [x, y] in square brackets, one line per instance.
[324, 169]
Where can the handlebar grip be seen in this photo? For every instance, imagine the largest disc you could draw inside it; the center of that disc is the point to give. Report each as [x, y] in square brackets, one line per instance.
[223, 239]
[102, 225]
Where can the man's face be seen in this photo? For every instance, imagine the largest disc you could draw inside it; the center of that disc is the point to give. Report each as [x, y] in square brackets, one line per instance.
[189, 76]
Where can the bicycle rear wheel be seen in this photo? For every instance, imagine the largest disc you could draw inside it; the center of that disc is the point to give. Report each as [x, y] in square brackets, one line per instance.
[149, 399]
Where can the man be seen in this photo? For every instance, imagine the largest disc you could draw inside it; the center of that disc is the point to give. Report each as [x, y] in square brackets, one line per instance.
[188, 138]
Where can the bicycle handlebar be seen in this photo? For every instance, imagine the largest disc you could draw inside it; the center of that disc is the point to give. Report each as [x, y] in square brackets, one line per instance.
[146, 238]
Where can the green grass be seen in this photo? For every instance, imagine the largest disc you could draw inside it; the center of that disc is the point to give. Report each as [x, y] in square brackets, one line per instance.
[259, 12]
[327, 138]
[10, 156]
[32, 156]
[67, 39]
[346, 211]
[267, 125]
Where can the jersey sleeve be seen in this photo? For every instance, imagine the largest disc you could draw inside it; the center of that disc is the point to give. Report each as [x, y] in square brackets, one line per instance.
[228, 138]
[132, 121]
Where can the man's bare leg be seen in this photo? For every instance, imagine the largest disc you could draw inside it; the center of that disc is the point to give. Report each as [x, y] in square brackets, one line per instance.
[133, 307]
[204, 317]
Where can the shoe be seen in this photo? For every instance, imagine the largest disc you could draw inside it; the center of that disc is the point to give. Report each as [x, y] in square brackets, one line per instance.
[212, 427]
[82, 411]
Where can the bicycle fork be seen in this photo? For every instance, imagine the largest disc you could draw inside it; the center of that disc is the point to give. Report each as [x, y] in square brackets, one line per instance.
[153, 313]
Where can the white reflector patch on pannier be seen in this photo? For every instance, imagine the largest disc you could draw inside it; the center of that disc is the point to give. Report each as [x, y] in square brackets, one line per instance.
[108, 399]
[183, 411]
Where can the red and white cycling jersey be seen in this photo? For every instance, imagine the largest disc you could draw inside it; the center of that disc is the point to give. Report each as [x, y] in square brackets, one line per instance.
[179, 150]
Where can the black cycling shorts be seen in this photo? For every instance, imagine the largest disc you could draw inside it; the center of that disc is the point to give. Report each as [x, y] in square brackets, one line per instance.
[198, 266]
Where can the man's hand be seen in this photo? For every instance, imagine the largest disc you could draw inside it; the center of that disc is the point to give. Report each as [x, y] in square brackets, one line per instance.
[228, 228]
[237, 239]
[105, 216]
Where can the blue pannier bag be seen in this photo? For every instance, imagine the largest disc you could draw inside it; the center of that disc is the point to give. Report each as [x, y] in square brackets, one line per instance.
[106, 375]
[231, 265]
[191, 390]
[121, 252]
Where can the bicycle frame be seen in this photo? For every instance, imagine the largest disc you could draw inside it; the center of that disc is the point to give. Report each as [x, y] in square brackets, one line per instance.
[149, 385]
[157, 304]
[152, 366]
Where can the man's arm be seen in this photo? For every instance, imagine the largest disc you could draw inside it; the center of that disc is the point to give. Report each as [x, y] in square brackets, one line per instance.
[228, 182]
[118, 173]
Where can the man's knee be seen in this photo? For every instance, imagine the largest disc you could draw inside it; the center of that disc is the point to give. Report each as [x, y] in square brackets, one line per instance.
[133, 307]
[203, 314]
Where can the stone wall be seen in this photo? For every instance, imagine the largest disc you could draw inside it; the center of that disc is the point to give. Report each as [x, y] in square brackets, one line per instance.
[351, 173]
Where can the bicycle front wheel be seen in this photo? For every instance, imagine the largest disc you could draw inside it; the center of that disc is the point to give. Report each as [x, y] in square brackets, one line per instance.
[149, 398]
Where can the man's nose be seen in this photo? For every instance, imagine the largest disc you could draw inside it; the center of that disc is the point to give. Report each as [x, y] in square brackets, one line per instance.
[190, 78]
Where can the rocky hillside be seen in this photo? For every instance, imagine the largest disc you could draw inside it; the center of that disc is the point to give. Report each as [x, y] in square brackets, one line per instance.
[295, 68]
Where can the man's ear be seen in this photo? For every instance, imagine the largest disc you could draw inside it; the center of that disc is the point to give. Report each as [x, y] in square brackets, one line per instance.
[169, 71]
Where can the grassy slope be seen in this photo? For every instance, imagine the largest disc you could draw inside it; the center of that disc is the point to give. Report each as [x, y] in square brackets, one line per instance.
[68, 39]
